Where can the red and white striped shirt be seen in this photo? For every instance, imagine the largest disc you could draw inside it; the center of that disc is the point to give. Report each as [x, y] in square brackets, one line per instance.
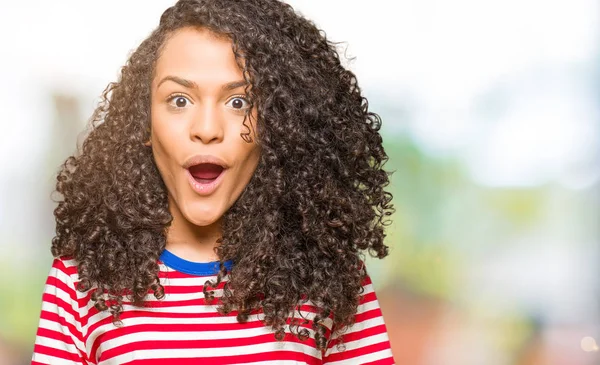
[183, 329]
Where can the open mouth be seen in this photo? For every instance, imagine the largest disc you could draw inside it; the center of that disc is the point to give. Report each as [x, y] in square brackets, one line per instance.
[205, 173]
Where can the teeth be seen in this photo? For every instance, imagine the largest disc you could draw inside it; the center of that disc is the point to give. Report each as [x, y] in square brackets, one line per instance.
[204, 181]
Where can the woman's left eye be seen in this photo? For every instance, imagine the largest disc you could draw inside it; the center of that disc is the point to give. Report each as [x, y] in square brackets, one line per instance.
[238, 102]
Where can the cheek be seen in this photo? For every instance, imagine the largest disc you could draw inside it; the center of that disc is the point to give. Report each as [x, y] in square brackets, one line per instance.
[247, 156]
[250, 163]
[164, 147]
[163, 165]
[167, 132]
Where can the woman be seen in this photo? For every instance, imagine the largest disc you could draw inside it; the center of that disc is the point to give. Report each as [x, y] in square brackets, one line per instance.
[219, 208]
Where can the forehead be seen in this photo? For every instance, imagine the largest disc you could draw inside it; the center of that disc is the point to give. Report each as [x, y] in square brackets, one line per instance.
[199, 55]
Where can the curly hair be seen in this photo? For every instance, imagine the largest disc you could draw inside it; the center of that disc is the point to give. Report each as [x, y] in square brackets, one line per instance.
[297, 232]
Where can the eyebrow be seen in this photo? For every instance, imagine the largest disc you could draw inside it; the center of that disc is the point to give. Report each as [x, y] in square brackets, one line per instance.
[192, 85]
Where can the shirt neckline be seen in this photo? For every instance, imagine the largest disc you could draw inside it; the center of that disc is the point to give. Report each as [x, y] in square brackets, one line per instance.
[190, 267]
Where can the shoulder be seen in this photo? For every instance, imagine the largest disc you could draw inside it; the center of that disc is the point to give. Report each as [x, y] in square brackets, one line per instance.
[64, 268]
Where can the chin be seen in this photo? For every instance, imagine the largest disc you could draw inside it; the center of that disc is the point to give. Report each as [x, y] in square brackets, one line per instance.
[202, 213]
[202, 222]
[201, 219]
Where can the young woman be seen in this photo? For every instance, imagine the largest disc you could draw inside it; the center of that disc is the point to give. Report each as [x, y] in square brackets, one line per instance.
[219, 209]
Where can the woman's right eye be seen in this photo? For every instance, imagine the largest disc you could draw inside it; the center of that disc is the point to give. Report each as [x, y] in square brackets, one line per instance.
[178, 101]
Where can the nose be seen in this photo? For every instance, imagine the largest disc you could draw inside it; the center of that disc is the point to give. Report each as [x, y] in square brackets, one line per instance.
[207, 124]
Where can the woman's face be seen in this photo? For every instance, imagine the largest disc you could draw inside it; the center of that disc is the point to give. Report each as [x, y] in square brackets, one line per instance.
[198, 106]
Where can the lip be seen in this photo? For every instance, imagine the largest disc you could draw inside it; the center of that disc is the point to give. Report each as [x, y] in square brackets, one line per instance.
[204, 189]
[199, 159]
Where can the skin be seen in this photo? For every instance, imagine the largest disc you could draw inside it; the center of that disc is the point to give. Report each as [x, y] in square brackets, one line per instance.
[199, 117]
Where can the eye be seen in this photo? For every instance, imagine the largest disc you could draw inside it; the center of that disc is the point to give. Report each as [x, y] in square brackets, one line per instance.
[238, 102]
[178, 101]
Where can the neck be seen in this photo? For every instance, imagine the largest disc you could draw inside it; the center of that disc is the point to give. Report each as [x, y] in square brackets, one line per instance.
[192, 242]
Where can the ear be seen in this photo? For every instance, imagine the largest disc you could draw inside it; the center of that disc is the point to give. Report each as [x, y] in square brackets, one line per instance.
[148, 143]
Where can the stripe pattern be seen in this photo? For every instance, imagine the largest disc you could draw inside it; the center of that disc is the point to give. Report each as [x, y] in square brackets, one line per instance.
[184, 329]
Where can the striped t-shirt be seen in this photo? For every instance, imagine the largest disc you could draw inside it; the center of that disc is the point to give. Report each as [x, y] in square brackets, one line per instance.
[183, 329]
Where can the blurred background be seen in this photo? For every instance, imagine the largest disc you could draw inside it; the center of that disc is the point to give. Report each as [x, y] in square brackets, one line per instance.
[491, 119]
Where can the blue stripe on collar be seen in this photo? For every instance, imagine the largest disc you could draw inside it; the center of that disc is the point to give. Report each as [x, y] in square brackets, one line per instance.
[190, 267]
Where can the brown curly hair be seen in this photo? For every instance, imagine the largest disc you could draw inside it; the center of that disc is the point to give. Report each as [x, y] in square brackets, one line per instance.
[314, 203]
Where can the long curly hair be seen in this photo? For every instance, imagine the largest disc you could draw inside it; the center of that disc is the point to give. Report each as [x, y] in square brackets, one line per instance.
[297, 232]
